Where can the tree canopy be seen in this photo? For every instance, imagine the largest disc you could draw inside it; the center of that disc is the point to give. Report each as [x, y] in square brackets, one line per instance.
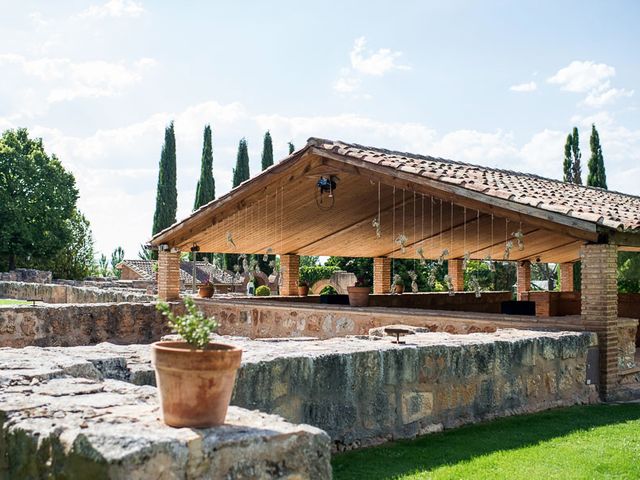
[241, 172]
[571, 166]
[167, 194]
[267, 151]
[37, 202]
[206, 189]
[597, 176]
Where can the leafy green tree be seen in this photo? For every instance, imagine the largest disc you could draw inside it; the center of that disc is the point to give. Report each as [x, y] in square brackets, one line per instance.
[37, 202]
[103, 266]
[76, 259]
[206, 189]
[597, 176]
[567, 165]
[292, 148]
[267, 151]
[167, 194]
[309, 261]
[576, 167]
[117, 256]
[241, 172]
[629, 272]
[145, 254]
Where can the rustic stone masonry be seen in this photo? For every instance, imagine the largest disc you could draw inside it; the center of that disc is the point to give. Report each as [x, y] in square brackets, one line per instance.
[566, 277]
[523, 273]
[457, 275]
[63, 293]
[362, 391]
[381, 275]
[168, 275]
[75, 424]
[290, 265]
[600, 308]
[26, 275]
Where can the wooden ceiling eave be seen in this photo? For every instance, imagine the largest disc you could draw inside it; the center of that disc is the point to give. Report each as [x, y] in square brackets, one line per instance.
[575, 228]
[252, 190]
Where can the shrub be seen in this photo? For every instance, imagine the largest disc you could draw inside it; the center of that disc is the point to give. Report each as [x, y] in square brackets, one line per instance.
[302, 283]
[263, 291]
[311, 275]
[328, 290]
[193, 326]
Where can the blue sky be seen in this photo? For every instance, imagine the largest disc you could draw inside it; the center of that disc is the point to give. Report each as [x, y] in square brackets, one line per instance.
[494, 83]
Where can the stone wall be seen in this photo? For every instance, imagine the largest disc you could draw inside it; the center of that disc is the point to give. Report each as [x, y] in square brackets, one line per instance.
[70, 325]
[62, 293]
[26, 275]
[364, 391]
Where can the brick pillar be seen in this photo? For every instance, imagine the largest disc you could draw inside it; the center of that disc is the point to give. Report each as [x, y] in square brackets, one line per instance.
[457, 275]
[290, 265]
[168, 275]
[600, 308]
[524, 278]
[381, 275]
[566, 277]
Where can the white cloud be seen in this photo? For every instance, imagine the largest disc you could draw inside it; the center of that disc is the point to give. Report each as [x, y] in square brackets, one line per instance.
[374, 63]
[114, 8]
[346, 84]
[524, 87]
[582, 76]
[61, 79]
[600, 97]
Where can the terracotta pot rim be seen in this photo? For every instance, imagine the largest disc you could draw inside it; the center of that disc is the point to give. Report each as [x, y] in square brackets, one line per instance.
[353, 287]
[185, 348]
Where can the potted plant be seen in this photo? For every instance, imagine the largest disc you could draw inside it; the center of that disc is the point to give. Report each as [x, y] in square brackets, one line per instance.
[398, 284]
[195, 377]
[303, 288]
[359, 293]
[205, 290]
[263, 291]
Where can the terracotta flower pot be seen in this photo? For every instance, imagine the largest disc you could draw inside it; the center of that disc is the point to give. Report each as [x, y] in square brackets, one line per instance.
[195, 386]
[205, 290]
[398, 288]
[303, 290]
[359, 296]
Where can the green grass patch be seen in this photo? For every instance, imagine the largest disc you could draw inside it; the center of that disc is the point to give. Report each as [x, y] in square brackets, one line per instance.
[585, 442]
[11, 301]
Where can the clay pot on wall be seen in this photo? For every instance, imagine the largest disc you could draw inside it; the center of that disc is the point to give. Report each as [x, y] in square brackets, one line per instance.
[359, 296]
[303, 290]
[195, 386]
[398, 288]
[205, 290]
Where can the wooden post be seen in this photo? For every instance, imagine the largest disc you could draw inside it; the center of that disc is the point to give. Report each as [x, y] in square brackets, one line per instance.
[523, 273]
[566, 277]
[457, 274]
[290, 265]
[600, 308]
[168, 276]
[381, 275]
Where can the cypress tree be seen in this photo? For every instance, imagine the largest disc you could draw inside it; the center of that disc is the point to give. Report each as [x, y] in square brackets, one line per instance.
[206, 189]
[167, 194]
[568, 162]
[291, 148]
[597, 176]
[241, 172]
[576, 173]
[267, 151]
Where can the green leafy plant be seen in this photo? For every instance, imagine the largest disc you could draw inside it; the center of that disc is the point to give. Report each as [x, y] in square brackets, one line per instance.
[302, 283]
[328, 290]
[194, 327]
[397, 280]
[263, 291]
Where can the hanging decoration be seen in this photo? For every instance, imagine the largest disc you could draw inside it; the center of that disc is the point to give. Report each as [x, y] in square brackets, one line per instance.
[268, 252]
[376, 220]
[431, 278]
[325, 188]
[413, 276]
[402, 242]
[475, 282]
[508, 244]
[230, 240]
[465, 260]
[449, 284]
[443, 256]
[475, 285]
[519, 236]
[444, 251]
[467, 254]
[420, 252]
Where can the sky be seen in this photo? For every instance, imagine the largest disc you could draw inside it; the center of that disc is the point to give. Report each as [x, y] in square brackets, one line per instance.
[494, 83]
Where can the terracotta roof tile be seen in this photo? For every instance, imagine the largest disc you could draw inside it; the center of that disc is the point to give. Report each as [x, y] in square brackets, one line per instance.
[612, 209]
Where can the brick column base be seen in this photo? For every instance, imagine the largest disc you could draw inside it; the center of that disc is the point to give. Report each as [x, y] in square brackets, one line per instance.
[456, 273]
[566, 277]
[600, 308]
[168, 276]
[524, 278]
[381, 275]
[290, 265]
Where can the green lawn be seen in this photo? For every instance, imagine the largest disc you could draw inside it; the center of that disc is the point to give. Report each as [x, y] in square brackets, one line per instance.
[10, 301]
[592, 442]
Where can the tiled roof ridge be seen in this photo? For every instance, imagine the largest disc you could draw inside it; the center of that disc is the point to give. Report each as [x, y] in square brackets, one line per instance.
[317, 141]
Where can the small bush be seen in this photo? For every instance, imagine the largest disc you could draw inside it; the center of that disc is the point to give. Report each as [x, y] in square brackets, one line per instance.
[328, 290]
[317, 272]
[193, 326]
[263, 291]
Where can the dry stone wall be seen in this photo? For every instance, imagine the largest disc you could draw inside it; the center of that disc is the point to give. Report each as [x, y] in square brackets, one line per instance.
[61, 293]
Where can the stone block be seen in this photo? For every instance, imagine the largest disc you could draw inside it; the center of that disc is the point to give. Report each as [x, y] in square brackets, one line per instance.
[416, 406]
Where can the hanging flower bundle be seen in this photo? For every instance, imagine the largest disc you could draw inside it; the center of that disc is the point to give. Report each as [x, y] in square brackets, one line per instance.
[413, 276]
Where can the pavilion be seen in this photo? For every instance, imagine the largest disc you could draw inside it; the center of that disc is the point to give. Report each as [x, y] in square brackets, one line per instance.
[335, 198]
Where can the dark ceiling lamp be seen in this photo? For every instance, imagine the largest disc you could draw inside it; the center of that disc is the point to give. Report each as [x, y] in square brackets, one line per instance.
[326, 186]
